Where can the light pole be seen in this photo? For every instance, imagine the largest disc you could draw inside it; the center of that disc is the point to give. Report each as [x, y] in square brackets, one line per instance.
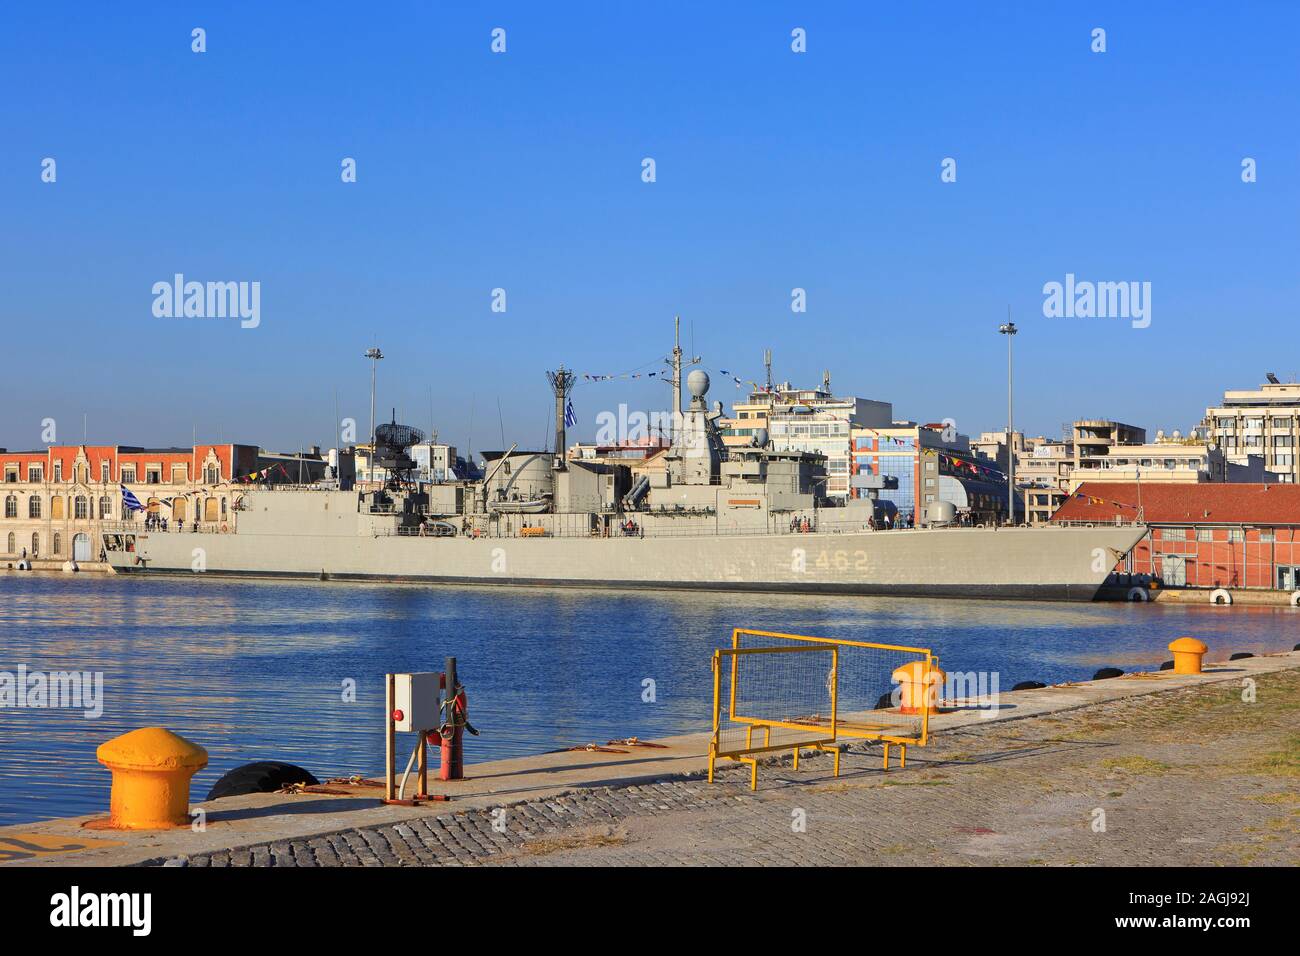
[374, 354]
[1009, 330]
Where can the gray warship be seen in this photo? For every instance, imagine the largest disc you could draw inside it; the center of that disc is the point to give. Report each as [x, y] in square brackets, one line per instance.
[713, 518]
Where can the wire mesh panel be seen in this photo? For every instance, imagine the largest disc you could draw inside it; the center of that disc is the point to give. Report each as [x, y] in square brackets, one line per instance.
[775, 698]
[885, 691]
[772, 698]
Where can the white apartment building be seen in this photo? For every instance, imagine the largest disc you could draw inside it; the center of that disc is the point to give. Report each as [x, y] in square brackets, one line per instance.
[1264, 422]
[813, 420]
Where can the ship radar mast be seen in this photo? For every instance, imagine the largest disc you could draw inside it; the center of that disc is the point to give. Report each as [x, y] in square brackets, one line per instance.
[676, 365]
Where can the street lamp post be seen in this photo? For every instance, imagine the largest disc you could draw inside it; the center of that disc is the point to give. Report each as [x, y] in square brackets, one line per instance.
[374, 354]
[1009, 330]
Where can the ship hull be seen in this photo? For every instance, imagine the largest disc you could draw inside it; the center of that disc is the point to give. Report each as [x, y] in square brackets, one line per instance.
[1024, 563]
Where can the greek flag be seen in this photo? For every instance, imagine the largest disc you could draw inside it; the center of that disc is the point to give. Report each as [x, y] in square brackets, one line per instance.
[570, 416]
[129, 501]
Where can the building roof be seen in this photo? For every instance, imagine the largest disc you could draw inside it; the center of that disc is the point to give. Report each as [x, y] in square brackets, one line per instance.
[1184, 503]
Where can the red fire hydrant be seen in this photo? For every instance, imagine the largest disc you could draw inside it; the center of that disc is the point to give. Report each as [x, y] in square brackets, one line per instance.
[450, 737]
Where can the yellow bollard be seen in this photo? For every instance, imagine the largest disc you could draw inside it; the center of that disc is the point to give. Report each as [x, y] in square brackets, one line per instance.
[918, 682]
[151, 768]
[1188, 652]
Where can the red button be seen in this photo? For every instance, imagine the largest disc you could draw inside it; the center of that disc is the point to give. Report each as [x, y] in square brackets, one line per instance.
[398, 715]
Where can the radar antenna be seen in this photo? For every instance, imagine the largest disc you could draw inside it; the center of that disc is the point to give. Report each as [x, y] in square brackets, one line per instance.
[392, 442]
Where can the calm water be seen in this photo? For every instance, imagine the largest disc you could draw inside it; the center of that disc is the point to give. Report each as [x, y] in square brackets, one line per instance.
[254, 671]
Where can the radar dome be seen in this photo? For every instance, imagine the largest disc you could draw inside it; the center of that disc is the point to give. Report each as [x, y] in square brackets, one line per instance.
[760, 438]
[697, 383]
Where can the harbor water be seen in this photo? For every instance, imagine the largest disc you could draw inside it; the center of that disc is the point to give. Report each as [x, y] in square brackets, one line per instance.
[262, 670]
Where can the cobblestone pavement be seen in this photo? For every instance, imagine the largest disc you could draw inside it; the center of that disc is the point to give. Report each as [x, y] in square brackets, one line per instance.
[1188, 777]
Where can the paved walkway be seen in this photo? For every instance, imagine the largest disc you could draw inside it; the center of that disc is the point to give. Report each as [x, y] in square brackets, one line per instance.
[1188, 777]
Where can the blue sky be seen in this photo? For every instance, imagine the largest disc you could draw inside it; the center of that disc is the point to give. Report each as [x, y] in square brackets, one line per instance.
[522, 171]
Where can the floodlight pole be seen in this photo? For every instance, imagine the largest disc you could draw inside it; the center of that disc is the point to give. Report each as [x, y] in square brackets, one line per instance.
[1009, 330]
[374, 354]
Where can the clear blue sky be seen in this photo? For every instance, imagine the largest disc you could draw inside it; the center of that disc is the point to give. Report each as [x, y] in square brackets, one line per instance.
[523, 171]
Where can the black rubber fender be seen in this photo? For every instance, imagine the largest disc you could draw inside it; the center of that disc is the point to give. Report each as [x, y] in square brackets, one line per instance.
[265, 776]
[1029, 685]
[1106, 673]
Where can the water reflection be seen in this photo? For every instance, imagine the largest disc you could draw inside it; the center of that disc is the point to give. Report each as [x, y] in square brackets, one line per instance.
[255, 670]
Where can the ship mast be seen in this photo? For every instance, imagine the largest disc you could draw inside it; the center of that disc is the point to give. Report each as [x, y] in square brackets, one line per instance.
[675, 363]
[561, 382]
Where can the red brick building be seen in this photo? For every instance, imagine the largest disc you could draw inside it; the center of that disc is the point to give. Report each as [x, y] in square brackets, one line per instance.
[1202, 535]
[56, 500]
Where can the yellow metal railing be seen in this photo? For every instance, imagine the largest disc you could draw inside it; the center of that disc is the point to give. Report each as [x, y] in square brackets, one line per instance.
[867, 672]
[797, 710]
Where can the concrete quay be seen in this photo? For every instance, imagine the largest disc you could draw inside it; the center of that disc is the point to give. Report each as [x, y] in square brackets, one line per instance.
[1178, 769]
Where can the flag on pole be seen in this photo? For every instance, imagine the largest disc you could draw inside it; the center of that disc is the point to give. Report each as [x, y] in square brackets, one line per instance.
[129, 501]
[570, 416]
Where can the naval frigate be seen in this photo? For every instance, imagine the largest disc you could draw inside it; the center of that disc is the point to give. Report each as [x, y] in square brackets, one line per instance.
[711, 517]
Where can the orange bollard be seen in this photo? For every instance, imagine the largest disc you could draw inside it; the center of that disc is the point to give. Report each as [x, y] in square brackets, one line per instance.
[1188, 652]
[919, 683]
[151, 768]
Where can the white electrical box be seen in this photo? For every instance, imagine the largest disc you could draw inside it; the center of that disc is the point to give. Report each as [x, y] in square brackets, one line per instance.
[415, 698]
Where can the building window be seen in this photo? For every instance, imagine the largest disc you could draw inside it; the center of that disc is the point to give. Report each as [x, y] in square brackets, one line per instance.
[1266, 537]
[103, 472]
[58, 543]
[56, 509]
[153, 476]
[36, 543]
[81, 507]
[128, 474]
[213, 475]
[178, 474]
[105, 506]
[1204, 534]
[58, 473]
[1236, 535]
[13, 543]
[35, 474]
[11, 474]
[11, 507]
[34, 506]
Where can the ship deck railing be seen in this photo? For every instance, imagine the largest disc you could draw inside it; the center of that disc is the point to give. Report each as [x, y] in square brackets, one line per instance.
[550, 529]
[173, 527]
